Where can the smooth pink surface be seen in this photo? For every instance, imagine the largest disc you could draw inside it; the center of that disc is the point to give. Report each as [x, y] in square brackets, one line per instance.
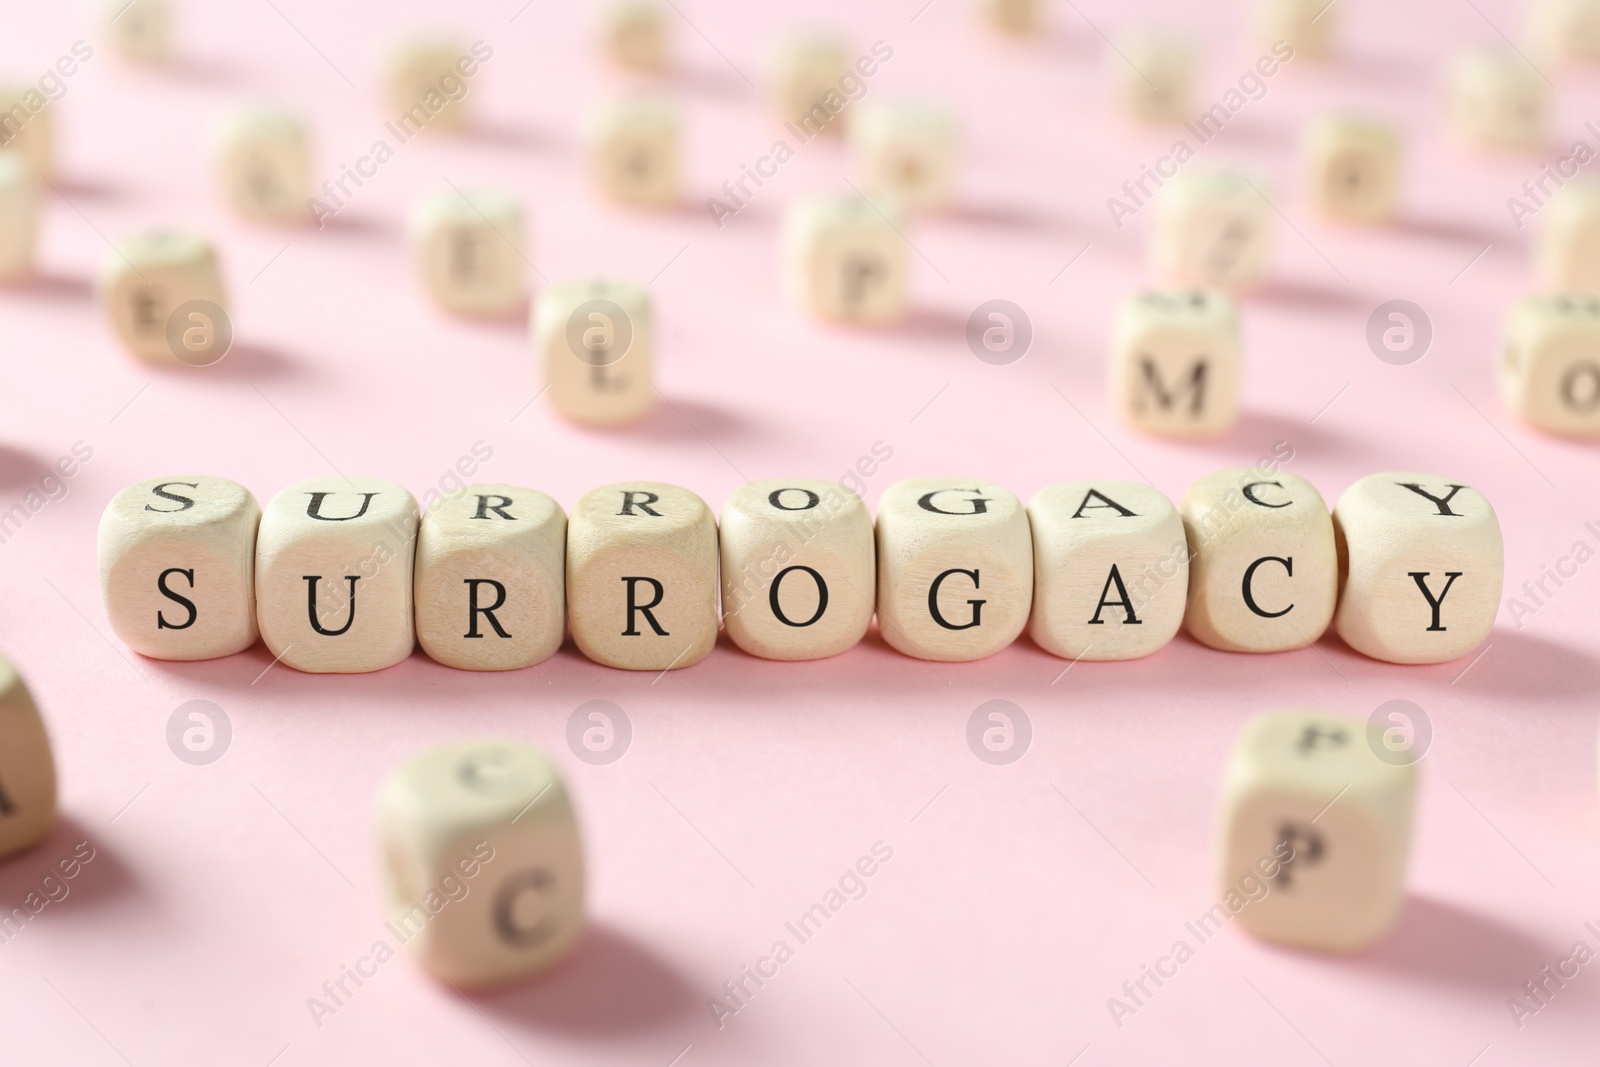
[1019, 898]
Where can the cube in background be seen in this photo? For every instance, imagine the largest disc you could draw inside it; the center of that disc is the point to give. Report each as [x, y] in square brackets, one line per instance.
[1498, 100]
[19, 217]
[27, 128]
[147, 282]
[844, 259]
[594, 339]
[635, 36]
[907, 150]
[428, 84]
[1550, 366]
[809, 83]
[1176, 363]
[471, 250]
[1213, 229]
[141, 31]
[27, 769]
[1354, 169]
[264, 163]
[1309, 27]
[634, 150]
[1567, 248]
[1152, 74]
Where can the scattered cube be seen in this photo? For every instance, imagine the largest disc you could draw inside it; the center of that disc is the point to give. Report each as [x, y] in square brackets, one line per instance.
[1550, 370]
[471, 250]
[1263, 574]
[139, 30]
[811, 83]
[153, 284]
[264, 163]
[798, 573]
[1568, 240]
[27, 769]
[1020, 18]
[595, 340]
[491, 578]
[1152, 76]
[635, 35]
[427, 85]
[1565, 31]
[1421, 564]
[482, 861]
[1354, 169]
[1314, 831]
[19, 217]
[642, 576]
[25, 127]
[1175, 363]
[845, 260]
[334, 567]
[177, 567]
[907, 150]
[1213, 229]
[1307, 27]
[1110, 570]
[633, 147]
[1497, 101]
[955, 568]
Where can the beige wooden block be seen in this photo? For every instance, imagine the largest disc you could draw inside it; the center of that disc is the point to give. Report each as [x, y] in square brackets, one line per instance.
[26, 127]
[1020, 18]
[1550, 363]
[177, 566]
[427, 84]
[1176, 363]
[1420, 567]
[798, 571]
[1314, 829]
[634, 151]
[907, 150]
[1213, 229]
[471, 250]
[482, 861]
[844, 259]
[1567, 248]
[19, 217]
[1110, 570]
[1309, 27]
[334, 569]
[27, 768]
[955, 568]
[1263, 576]
[642, 576]
[811, 84]
[1498, 100]
[263, 160]
[595, 339]
[636, 34]
[152, 286]
[1354, 169]
[491, 578]
[1152, 76]
[1565, 31]
[141, 31]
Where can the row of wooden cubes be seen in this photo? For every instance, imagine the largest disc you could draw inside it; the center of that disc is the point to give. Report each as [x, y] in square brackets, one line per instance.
[343, 575]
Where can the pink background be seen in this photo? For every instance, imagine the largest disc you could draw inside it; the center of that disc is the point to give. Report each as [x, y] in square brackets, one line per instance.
[1019, 898]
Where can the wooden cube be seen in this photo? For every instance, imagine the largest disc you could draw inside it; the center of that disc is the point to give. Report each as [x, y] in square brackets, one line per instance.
[633, 149]
[811, 82]
[1354, 168]
[642, 576]
[1565, 31]
[1176, 363]
[264, 163]
[1213, 229]
[427, 86]
[334, 568]
[635, 34]
[798, 570]
[1420, 567]
[1110, 570]
[26, 127]
[27, 769]
[482, 861]
[19, 217]
[1152, 75]
[1497, 101]
[1308, 27]
[1314, 831]
[1263, 576]
[491, 578]
[844, 259]
[907, 150]
[955, 568]
[152, 284]
[1019, 18]
[1550, 368]
[471, 250]
[1567, 248]
[141, 31]
[177, 567]
[595, 340]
